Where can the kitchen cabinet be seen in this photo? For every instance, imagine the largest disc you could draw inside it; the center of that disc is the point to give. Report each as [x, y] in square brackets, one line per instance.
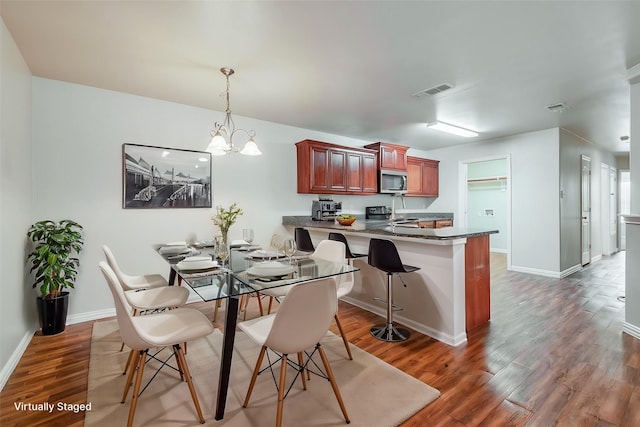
[435, 223]
[325, 168]
[422, 177]
[390, 156]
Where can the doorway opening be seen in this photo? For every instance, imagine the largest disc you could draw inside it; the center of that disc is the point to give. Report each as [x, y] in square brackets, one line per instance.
[486, 199]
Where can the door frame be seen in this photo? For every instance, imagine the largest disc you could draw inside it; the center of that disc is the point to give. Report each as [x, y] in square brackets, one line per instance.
[463, 198]
[585, 210]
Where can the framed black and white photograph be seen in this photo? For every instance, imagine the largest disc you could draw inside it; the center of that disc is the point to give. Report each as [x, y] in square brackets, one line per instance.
[159, 177]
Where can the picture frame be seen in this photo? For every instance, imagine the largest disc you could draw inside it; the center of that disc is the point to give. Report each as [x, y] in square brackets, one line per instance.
[165, 178]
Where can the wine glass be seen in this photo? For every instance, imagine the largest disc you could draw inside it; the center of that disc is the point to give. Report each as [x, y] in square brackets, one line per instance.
[222, 251]
[289, 248]
[247, 235]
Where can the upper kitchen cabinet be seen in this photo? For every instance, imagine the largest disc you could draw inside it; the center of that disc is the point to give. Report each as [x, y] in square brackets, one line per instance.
[325, 168]
[390, 156]
[422, 177]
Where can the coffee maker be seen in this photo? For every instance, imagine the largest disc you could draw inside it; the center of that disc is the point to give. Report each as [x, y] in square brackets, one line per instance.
[325, 209]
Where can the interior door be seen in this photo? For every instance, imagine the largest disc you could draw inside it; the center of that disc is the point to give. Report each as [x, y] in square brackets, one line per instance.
[585, 209]
[613, 220]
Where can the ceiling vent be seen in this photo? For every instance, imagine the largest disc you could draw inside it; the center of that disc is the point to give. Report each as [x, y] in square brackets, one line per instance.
[434, 90]
[557, 108]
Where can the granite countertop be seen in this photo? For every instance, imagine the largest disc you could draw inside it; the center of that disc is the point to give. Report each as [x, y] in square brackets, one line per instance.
[383, 227]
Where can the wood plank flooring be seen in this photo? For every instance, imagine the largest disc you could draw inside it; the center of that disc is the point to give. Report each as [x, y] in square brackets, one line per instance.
[553, 354]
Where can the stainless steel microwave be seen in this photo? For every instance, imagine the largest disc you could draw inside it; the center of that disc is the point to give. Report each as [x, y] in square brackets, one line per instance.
[392, 182]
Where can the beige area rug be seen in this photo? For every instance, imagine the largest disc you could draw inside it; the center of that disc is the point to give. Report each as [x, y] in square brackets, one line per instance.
[375, 393]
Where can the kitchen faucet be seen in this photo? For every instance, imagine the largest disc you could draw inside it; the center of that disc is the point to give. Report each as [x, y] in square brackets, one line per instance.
[393, 205]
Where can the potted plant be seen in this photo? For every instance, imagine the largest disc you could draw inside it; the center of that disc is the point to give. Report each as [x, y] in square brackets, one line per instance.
[55, 264]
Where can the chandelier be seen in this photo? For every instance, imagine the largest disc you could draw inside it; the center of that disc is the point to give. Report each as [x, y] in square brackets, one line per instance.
[223, 133]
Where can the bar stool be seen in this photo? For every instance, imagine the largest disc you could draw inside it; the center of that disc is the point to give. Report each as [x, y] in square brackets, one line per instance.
[303, 239]
[339, 237]
[384, 256]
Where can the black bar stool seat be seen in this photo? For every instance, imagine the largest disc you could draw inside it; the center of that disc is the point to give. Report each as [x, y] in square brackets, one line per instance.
[339, 237]
[384, 256]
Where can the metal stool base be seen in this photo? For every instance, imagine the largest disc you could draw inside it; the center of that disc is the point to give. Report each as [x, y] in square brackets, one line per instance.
[390, 333]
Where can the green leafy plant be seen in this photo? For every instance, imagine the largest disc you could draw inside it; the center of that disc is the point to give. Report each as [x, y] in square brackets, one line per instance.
[53, 258]
[225, 218]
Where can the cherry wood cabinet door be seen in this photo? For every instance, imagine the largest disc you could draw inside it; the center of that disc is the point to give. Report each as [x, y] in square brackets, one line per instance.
[319, 169]
[337, 170]
[390, 156]
[355, 170]
[430, 178]
[422, 177]
[369, 173]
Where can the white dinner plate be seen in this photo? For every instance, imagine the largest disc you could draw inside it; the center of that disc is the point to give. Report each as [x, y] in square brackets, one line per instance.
[173, 250]
[196, 265]
[196, 259]
[262, 254]
[270, 269]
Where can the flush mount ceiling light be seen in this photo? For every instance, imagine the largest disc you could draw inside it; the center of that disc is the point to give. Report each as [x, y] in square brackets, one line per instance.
[223, 133]
[449, 128]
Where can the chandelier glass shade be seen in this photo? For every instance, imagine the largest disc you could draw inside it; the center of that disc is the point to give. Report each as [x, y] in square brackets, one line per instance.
[223, 133]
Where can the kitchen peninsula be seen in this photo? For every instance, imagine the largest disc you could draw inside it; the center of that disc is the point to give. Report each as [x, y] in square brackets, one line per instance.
[450, 293]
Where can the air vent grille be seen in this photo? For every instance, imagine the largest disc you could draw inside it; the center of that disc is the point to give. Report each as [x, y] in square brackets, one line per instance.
[433, 90]
[557, 108]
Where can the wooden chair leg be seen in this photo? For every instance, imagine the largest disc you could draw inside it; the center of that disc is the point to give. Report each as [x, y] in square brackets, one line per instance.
[192, 389]
[126, 366]
[281, 389]
[134, 365]
[260, 303]
[256, 370]
[136, 387]
[302, 376]
[178, 363]
[270, 304]
[215, 310]
[334, 385]
[344, 337]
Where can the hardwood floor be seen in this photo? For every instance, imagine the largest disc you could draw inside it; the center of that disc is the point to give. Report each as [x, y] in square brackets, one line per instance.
[553, 354]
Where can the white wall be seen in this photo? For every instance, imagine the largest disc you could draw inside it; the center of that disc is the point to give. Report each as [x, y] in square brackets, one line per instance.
[17, 305]
[571, 148]
[534, 193]
[632, 273]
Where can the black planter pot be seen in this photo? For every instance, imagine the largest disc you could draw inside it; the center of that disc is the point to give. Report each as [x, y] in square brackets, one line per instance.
[52, 313]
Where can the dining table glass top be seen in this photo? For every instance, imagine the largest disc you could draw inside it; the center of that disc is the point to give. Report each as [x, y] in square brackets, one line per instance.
[248, 269]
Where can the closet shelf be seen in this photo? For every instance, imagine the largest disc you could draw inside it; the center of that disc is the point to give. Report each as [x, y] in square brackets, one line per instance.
[493, 178]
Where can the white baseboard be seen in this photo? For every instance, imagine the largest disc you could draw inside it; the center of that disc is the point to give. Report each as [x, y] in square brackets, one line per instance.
[547, 273]
[498, 250]
[381, 311]
[11, 364]
[91, 315]
[632, 330]
[596, 258]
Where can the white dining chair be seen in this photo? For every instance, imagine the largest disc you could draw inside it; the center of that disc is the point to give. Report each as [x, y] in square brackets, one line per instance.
[328, 250]
[300, 323]
[157, 295]
[132, 282]
[169, 328]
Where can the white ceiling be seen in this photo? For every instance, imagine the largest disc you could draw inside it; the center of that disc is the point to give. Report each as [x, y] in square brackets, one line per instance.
[351, 67]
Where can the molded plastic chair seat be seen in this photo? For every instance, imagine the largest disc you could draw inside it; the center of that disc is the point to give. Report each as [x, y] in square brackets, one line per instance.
[384, 256]
[157, 298]
[339, 237]
[169, 328]
[300, 323]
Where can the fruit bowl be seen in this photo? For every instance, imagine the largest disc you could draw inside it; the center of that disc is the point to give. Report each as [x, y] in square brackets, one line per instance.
[346, 220]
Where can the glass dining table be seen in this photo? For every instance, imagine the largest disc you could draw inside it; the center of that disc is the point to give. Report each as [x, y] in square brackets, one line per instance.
[246, 272]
